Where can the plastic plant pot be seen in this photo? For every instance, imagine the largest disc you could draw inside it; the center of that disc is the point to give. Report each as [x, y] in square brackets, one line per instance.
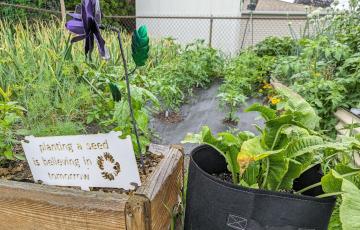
[214, 204]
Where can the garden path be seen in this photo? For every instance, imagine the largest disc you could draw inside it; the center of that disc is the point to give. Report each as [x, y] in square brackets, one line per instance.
[203, 109]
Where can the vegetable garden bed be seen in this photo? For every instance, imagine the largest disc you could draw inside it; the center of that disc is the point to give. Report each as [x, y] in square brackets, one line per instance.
[34, 206]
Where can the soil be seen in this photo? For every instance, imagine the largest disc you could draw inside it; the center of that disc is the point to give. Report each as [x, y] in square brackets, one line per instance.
[16, 171]
[231, 122]
[93, 128]
[226, 176]
[171, 118]
[20, 171]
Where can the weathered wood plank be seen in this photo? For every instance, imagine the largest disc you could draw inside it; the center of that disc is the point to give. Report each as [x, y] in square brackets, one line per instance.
[346, 118]
[138, 213]
[163, 188]
[26, 206]
[33, 206]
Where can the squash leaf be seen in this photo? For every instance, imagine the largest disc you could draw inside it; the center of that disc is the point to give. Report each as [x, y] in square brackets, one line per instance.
[350, 206]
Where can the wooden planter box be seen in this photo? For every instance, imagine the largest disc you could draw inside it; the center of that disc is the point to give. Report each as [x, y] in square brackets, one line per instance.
[346, 118]
[34, 206]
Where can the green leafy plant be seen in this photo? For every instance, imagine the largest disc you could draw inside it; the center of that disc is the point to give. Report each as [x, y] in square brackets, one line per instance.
[288, 145]
[275, 46]
[243, 77]
[10, 117]
[285, 148]
[175, 78]
[121, 119]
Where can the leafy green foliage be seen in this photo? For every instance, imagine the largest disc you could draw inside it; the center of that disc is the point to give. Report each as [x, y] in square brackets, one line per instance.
[350, 206]
[10, 117]
[182, 70]
[347, 213]
[287, 146]
[277, 155]
[243, 77]
[63, 95]
[122, 120]
[226, 143]
[325, 68]
[275, 46]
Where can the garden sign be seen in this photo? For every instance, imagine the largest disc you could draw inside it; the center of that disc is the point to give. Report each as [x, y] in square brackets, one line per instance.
[100, 160]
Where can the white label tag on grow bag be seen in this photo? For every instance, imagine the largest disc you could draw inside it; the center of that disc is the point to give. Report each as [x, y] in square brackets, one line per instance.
[100, 160]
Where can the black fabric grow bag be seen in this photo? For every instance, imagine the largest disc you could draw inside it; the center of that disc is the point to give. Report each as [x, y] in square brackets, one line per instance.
[214, 204]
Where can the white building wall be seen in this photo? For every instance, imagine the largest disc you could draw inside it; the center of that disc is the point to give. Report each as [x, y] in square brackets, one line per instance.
[226, 33]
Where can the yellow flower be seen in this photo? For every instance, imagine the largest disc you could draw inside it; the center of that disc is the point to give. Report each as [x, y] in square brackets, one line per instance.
[274, 100]
[267, 86]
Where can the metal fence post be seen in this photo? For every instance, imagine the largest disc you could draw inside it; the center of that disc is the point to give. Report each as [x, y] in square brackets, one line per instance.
[211, 31]
[63, 9]
[252, 29]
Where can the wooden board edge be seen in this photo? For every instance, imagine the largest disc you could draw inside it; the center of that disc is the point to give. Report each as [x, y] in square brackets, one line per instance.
[137, 213]
[164, 188]
[38, 192]
[142, 209]
[55, 194]
[165, 168]
[32, 206]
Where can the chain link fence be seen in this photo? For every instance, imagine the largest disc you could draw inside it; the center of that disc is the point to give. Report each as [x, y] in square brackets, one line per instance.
[229, 34]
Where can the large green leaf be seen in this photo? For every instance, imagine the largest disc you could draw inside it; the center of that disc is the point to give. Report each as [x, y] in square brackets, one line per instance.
[266, 112]
[300, 146]
[277, 167]
[350, 206]
[301, 109]
[294, 171]
[332, 182]
[273, 128]
[254, 149]
[251, 175]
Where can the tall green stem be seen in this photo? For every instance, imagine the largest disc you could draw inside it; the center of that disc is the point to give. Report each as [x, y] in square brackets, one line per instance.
[129, 99]
[133, 120]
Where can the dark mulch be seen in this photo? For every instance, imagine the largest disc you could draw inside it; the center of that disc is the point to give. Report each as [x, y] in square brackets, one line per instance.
[170, 117]
[226, 176]
[230, 122]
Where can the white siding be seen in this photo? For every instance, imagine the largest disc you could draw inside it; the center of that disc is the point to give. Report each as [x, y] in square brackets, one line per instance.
[226, 34]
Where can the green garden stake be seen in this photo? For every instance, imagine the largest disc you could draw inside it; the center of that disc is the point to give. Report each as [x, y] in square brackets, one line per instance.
[140, 46]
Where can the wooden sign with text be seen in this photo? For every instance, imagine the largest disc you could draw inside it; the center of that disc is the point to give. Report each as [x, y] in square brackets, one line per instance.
[99, 160]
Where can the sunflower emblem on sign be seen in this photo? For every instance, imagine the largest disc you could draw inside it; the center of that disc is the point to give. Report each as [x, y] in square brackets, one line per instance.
[109, 167]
